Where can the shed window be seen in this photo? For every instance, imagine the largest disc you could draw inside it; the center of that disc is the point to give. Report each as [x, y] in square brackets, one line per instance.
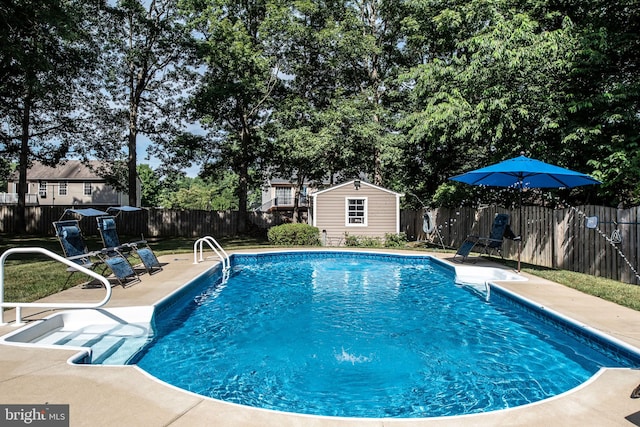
[87, 188]
[356, 211]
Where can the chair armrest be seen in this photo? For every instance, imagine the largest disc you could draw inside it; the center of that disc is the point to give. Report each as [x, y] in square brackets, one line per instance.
[125, 247]
[87, 255]
[108, 252]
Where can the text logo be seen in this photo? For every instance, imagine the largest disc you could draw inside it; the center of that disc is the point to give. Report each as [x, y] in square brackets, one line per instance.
[34, 415]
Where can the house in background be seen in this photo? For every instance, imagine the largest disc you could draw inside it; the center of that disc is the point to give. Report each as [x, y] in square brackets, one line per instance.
[279, 195]
[355, 208]
[70, 184]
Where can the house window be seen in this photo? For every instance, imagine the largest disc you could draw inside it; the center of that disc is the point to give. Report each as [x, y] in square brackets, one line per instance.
[42, 189]
[356, 212]
[62, 189]
[87, 188]
[283, 196]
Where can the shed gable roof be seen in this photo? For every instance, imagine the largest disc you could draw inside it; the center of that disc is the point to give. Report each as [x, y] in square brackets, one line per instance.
[362, 183]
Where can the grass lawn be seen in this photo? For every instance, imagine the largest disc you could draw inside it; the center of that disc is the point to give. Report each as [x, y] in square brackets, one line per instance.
[31, 277]
[611, 290]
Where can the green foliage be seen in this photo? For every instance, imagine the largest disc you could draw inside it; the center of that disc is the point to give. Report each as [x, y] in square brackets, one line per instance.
[196, 193]
[447, 194]
[336, 117]
[353, 240]
[395, 240]
[235, 96]
[453, 194]
[6, 167]
[150, 187]
[294, 235]
[499, 93]
[410, 93]
[619, 173]
[391, 240]
[47, 65]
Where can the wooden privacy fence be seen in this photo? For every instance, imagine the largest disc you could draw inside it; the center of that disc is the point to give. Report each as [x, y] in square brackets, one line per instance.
[551, 238]
[147, 222]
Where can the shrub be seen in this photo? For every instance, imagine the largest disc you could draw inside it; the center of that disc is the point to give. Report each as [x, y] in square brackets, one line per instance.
[294, 235]
[392, 240]
[370, 242]
[362, 241]
[350, 240]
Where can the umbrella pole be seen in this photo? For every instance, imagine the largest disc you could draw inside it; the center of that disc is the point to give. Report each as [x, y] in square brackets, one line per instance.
[520, 226]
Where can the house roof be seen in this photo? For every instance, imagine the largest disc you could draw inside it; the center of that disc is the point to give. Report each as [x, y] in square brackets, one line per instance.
[282, 181]
[71, 170]
[293, 181]
[362, 183]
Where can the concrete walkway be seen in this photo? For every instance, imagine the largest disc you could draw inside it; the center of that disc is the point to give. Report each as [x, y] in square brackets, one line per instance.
[127, 396]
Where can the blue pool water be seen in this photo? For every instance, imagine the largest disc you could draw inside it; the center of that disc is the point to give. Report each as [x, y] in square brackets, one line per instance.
[360, 335]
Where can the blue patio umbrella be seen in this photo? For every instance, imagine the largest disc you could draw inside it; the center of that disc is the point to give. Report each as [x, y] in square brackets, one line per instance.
[523, 172]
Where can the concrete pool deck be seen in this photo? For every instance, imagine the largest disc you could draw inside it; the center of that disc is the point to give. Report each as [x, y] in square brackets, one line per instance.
[126, 396]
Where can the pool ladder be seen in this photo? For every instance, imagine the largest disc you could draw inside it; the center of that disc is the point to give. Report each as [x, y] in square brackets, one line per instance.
[215, 246]
[55, 305]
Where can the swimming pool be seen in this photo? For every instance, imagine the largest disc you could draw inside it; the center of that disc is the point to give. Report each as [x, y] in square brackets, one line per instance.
[362, 335]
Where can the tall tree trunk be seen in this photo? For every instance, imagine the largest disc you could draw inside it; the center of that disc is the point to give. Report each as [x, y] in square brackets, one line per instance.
[21, 220]
[243, 188]
[243, 178]
[132, 159]
[377, 162]
[371, 19]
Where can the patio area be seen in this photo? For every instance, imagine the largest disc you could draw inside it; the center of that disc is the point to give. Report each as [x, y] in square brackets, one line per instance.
[117, 396]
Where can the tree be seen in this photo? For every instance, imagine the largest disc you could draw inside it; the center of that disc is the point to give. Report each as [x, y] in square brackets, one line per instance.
[378, 62]
[339, 63]
[306, 37]
[150, 187]
[196, 193]
[410, 93]
[604, 108]
[47, 55]
[502, 91]
[234, 98]
[146, 60]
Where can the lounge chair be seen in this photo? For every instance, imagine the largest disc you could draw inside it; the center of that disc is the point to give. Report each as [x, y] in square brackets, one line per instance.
[75, 249]
[111, 241]
[487, 245]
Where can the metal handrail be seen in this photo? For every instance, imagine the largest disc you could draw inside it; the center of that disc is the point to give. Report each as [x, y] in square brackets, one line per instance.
[215, 246]
[18, 305]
